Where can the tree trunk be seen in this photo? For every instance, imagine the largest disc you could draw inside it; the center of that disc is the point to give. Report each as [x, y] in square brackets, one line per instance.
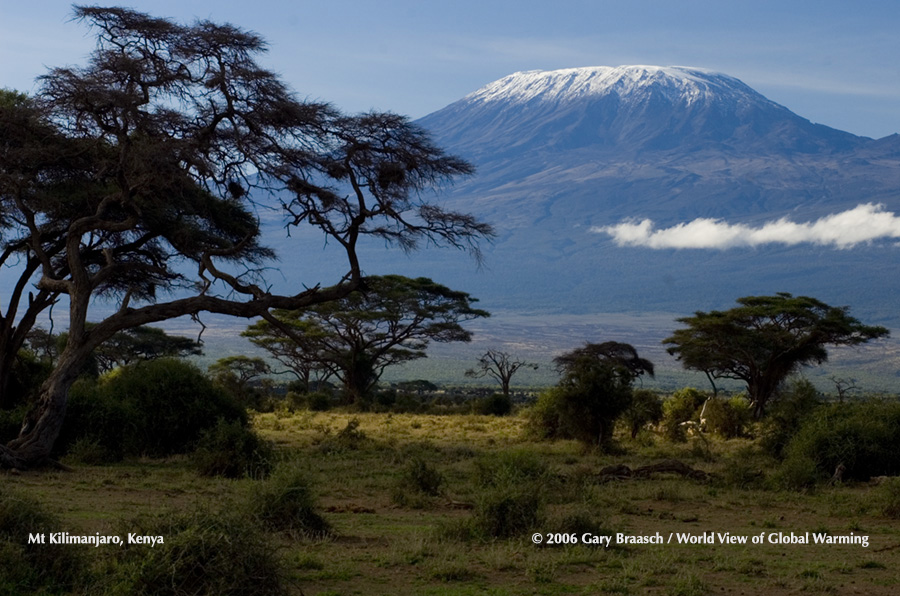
[44, 421]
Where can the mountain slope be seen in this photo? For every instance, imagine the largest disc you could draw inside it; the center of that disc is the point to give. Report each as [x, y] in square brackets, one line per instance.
[561, 152]
[625, 110]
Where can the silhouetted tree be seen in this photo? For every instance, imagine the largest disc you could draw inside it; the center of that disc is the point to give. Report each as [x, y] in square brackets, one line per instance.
[765, 339]
[143, 343]
[390, 320]
[157, 143]
[499, 365]
[595, 389]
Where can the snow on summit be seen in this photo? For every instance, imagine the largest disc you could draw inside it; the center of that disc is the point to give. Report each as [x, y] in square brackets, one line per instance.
[677, 82]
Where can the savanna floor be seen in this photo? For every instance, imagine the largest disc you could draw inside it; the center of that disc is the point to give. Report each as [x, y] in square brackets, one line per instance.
[390, 537]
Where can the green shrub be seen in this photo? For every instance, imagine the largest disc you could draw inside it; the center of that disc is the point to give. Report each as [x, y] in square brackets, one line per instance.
[34, 568]
[285, 502]
[798, 472]
[581, 521]
[511, 467]
[506, 510]
[96, 417]
[232, 450]
[888, 497]
[645, 408]
[511, 499]
[745, 469]
[319, 401]
[91, 452]
[204, 554]
[154, 408]
[728, 418]
[863, 437]
[543, 418]
[793, 405]
[423, 478]
[682, 407]
[495, 405]
[417, 486]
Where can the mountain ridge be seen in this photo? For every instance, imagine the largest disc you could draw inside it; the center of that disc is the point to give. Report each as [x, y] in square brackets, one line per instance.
[626, 110]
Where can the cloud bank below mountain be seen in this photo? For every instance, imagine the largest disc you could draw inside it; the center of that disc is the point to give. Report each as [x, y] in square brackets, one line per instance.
[863, 224]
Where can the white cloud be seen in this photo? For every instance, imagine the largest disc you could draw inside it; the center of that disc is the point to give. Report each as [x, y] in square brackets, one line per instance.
[864, 223]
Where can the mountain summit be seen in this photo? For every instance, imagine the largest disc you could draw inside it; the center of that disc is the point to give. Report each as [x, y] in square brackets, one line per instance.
[627, 109]
[562, 154]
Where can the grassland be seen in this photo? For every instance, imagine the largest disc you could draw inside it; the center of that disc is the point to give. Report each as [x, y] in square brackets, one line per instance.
[390, 537]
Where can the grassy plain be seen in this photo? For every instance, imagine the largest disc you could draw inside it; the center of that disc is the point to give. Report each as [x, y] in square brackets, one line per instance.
[392, 538]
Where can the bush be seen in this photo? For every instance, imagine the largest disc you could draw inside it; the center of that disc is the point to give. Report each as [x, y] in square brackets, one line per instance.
[221, 554]
[231, 450]
[511, 499]
[495, 405]
[423, 478]
[507, 510]
[511, 467]
[543, 418]
[285, 502]
[154, 408]
[98, 418]
[34, 568]
[91, 452]
[728, 418]
[888, 497]
[319, 401]
[682, 407]
[645, 408]
[418, 482]
[863, 437]
[792, 407]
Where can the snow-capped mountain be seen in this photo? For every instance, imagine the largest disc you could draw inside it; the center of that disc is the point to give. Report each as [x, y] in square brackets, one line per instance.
[625, 109]
[561, 153]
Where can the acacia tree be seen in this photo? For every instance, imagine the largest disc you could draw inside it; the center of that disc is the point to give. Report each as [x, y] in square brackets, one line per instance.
[499, 365]
[764, 340]
[144, 343]
[162, 138]
[389, 320]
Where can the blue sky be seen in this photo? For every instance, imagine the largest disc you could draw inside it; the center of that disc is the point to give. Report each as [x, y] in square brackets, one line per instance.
[834, 62]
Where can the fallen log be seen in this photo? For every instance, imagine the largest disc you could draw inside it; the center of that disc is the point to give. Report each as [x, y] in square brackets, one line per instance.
[669, 466]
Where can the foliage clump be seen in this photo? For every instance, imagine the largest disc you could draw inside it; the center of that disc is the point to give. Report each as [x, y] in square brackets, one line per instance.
[154, 408]
[232, 450]
[889, 498]
[286, 503]
[511, 501]
[683, 406]
[645, 408]
[496, 404]
[204, 554]
[729, 418]
[861, 438]
[595, 389]
[419, 481]
[795, 404]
